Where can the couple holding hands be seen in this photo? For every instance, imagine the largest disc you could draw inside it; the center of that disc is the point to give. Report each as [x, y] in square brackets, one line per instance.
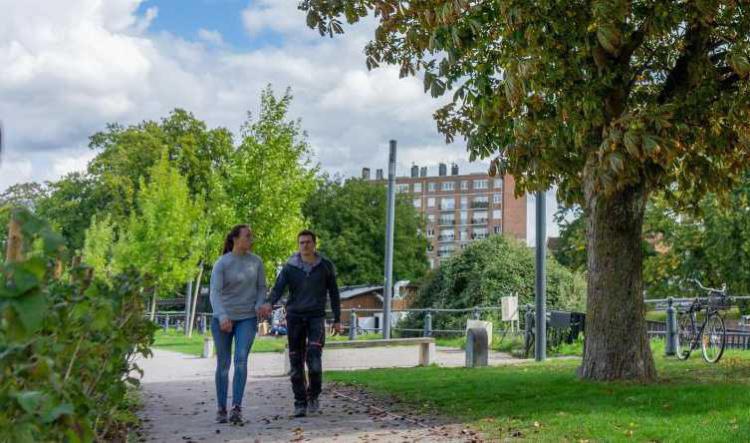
[239, 300]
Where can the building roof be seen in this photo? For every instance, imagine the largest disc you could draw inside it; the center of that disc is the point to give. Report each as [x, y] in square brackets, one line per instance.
[348, 292]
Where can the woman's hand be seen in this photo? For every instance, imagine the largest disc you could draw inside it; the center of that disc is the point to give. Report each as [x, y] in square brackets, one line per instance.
[264, 311]
[226, 325]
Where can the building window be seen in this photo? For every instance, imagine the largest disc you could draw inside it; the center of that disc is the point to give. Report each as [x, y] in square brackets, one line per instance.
[480, 202]
[402, 187]
[432, 264]
[431, 218]
[464, 202]
[417, 187]
[448, 186]
[497, 214]
[431, 202]
[480, 184]
[464, 216]
[447, 204]
[496, 229]
[464, 185]
[417, 203]
[431, 187]
[479, 233]
[446, 235]
[447, 220]
[498, 183]
[430, 232]
[479, 217]
[463, 235]
[497, 199]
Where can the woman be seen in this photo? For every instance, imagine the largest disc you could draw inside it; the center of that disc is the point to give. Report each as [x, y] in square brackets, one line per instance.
[238, 288]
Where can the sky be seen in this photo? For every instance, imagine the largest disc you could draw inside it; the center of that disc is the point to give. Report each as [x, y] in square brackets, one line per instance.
[67, 69]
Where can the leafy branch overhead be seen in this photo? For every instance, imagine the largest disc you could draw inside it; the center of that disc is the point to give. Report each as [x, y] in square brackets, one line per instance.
[644, 92]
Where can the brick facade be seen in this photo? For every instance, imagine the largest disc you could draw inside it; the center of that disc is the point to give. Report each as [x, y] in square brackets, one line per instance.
[462, 208]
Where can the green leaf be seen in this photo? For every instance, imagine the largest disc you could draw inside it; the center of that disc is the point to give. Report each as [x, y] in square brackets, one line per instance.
[30, 401]
[31, 309]
[57, 412]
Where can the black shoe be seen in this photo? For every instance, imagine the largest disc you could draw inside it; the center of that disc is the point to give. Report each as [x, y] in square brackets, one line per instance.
[221, 416]
[235, 417]
[313, 406]
[300, 410]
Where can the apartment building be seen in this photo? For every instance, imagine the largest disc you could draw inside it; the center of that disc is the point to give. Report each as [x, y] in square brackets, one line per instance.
[461, 208]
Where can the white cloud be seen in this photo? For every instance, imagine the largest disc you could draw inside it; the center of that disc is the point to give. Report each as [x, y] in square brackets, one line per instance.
[276, 15]
[68, 69]
[212, 37]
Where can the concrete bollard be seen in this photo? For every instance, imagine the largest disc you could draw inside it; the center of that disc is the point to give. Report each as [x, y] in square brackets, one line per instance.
[670, 347]
[352, 326]
[476, 348]
[208, 347]
[428, 324]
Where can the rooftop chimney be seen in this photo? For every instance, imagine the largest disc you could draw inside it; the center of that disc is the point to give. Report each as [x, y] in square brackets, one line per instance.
[423, 171]
[378, 174]
[366, 173]
[454, 169]
[414, 171]
[442, 170]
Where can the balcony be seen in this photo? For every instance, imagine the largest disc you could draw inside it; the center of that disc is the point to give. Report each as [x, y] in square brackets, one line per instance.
[446, 222]
[478, 236]
[446, 238]
[480, 205]
[447, 208]
[479, 221]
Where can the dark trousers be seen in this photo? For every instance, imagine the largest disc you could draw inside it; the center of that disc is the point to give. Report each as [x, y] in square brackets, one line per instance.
[306, 340]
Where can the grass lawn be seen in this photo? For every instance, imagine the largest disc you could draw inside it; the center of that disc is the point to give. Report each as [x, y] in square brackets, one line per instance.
[177, 341]
[692, 401]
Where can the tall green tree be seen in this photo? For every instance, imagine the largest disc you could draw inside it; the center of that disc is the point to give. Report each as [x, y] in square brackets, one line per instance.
[161, 236]
[25, 195]
[98, 247]
[269, 177]
[126, 154]
[609, 100]
[71, 203]
[350, 216]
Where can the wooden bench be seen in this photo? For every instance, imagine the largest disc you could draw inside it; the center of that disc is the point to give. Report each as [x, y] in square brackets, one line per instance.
[426, 347]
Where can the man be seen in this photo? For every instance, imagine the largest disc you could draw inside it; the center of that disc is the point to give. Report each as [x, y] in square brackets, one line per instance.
[310, 279]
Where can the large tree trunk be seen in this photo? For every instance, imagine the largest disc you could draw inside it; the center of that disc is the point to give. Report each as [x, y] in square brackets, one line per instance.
[617, 346]
[193, 308]
[153, 305]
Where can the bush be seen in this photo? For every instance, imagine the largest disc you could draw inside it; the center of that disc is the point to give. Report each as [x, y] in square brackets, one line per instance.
[486, 271]
[66, 346]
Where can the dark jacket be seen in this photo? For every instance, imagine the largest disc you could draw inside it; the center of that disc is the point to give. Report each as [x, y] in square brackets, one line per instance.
[309, 286]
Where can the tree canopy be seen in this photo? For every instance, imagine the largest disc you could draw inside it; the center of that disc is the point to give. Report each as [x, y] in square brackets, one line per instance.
[349, 217]
[609, 100]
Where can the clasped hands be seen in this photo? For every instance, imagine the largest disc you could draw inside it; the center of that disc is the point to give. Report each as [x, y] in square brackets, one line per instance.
[264, 311]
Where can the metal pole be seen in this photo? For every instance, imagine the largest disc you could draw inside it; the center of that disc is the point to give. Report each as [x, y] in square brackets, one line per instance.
[188, 302]
[540, 353]
[352, 326]
[390, 221]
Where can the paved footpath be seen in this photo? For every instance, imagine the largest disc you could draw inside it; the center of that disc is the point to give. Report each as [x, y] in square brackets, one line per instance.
[179, 402]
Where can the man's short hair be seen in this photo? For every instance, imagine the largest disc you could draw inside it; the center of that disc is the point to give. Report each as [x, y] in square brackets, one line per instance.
[307, 232]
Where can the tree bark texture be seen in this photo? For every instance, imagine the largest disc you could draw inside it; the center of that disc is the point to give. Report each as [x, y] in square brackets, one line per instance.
[14, 248]
[616, 344]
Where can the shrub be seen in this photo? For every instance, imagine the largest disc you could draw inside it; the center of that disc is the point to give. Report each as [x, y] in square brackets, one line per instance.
[66, 345]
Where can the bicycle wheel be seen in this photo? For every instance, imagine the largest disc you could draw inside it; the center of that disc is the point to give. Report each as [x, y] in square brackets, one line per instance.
[713, 338]
[685, 334]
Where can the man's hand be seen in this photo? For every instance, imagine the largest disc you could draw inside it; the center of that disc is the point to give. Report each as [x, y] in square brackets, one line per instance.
[226, 325]
[264, 311]
[338, 328]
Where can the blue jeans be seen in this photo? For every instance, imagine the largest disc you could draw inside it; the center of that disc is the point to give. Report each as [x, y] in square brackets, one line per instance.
[243, 332]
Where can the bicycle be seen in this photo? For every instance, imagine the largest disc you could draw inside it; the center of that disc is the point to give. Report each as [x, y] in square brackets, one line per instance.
[709, 331]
